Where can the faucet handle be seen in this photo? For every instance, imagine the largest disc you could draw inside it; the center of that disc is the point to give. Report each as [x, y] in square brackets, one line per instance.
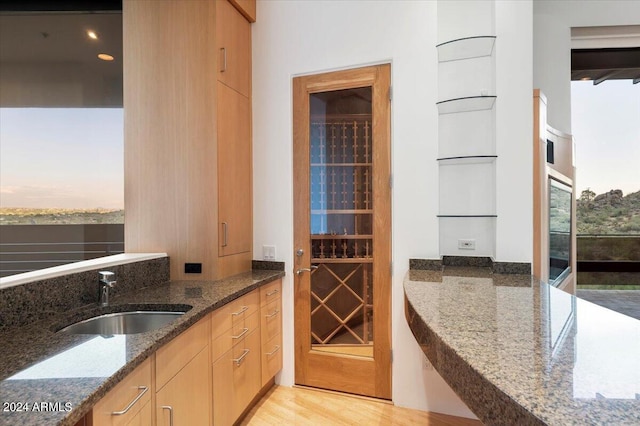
[107, 277]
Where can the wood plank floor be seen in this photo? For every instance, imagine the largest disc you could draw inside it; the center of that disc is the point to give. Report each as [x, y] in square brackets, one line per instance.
[283, 405]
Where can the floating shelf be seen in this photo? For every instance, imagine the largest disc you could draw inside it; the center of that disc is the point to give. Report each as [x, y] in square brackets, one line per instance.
[470, 103]
[469, 159]
[466, 48]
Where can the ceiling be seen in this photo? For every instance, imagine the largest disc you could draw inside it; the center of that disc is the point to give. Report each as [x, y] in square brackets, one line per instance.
[47, 59]
[600, 65]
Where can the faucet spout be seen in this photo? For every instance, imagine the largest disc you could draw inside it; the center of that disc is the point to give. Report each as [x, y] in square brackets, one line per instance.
[106, 281]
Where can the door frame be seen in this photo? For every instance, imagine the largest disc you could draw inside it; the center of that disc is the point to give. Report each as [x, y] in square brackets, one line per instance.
[342, 372]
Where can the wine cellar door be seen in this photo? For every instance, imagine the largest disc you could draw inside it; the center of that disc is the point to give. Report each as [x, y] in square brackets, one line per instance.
[342, 221]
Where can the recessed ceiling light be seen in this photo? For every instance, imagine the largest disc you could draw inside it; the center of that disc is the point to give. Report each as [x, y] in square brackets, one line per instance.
[105, 57]
[92, 34]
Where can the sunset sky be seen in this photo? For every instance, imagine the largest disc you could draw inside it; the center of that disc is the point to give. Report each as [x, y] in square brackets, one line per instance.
[61, 158]
[73, 158]
[605, 122]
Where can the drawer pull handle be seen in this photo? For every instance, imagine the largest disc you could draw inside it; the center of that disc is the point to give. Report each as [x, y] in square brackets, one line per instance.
[144, 390]
[170, 408]
[239, 360]
[241, 311]
[273, 314]
[224, 234]
[273, 351]
[271, 293]
[224, 59]
[244, 331]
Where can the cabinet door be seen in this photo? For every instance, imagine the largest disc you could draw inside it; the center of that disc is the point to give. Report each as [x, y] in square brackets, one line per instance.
[127, 399]
[234, 171]
[143, 418]
[233, 35]
[186, 395]
[236, 380]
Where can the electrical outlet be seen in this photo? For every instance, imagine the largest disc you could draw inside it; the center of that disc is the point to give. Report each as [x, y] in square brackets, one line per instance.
[467, 244]
[269, 253]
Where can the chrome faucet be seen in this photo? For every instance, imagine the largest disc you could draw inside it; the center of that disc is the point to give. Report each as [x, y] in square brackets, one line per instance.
[107, 281]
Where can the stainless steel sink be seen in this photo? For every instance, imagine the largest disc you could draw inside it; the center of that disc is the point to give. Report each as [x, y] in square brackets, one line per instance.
[123, 323]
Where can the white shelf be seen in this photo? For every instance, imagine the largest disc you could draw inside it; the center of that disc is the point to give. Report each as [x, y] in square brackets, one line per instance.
[468, 159]
[466, 48]
[470, 103]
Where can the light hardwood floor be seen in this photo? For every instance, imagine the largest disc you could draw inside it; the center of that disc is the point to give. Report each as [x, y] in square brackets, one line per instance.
[282, 405]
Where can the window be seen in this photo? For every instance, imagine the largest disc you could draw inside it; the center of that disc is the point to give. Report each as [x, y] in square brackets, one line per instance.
[61, 137]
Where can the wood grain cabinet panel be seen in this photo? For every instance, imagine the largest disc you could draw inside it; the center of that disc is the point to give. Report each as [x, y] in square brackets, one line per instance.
[186, 398]
[135, 387]
[234, 172]
[236, 380]
[173, 356]
[271, 330]
[233, 34]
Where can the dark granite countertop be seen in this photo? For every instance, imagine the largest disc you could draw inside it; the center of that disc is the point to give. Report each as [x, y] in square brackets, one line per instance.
[72, 372]
[518, 351]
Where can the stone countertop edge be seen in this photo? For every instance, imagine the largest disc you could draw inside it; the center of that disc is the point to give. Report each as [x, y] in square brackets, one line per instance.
[505, 371]
[484, 399]
[229, 288]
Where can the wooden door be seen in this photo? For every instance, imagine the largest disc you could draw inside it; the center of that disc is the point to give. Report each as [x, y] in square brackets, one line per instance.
[342, 228]
[234, 171]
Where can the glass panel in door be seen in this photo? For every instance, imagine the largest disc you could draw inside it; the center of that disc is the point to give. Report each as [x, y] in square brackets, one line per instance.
[341, 221]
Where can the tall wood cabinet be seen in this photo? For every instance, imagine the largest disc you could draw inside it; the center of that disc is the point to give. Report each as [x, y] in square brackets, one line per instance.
[187, 107]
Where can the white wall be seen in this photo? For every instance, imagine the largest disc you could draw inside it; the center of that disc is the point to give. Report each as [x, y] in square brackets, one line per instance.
[552, 46]
[292, 38]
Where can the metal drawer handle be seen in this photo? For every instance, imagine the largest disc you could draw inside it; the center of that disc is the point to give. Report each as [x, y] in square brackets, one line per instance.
[144, 390]
[271, 293]
[244, 331]
[224, 234]
[224, 59]
[239, 360]
[241, 311]
[273, 351]
[273, 314]
[170, 408]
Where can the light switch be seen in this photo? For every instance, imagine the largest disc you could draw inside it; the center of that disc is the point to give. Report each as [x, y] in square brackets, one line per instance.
[269, 253]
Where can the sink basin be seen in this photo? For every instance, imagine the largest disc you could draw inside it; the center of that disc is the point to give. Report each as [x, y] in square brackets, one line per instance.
[123, 323]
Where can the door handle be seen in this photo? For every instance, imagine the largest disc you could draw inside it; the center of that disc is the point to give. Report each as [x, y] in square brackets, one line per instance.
[224, 234]
[170, 408]
[301, 270]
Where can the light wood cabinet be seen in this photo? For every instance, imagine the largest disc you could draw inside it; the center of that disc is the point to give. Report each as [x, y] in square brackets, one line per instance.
[234, 172]
[128, 401]
[183, 383]
[186, 398]
[236, 379]
[247, 8]
[187, 131]
[208, 374]
[271, 330]
[233, 40]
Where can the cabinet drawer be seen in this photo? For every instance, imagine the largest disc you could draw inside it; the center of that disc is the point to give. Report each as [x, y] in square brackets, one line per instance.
[241, 328]
[270, 292]
[176, 354]
[122, 395]
[271, 358]
[271, 319]
[224, 318]
[236, 380]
